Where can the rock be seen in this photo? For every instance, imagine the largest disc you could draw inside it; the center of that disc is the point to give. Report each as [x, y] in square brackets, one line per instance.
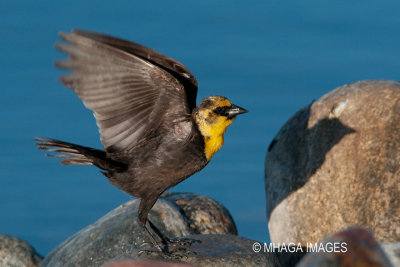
[225, 250]
[15, 252]
[291, 258]
[206, 216]
[336, 163]
[142, 263]
[117, 236]
[392, 250]
[356, 247]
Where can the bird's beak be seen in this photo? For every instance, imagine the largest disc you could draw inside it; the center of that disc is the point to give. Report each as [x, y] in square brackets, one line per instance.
[235, 110]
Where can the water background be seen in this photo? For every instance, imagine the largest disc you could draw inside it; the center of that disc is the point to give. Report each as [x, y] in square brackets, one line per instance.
[271, 57]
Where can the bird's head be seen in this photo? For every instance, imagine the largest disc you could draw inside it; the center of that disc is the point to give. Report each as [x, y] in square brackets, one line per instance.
[213, 116]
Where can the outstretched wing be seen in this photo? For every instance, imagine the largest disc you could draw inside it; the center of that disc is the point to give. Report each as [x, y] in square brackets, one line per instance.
[129, 95]
[170, 65]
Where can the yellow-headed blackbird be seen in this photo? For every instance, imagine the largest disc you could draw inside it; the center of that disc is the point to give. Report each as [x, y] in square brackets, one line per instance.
[144, 103]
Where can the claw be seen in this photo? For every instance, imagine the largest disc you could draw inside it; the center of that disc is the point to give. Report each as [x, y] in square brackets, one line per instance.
[144, 252]
[171, 248]
[148, 248]
[181, 246]
[183, 241]
[175, 249]
[147, 245]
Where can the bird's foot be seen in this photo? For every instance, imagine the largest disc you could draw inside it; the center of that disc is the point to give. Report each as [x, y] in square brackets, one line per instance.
[150, 247]
[174, 249]
[182, 244]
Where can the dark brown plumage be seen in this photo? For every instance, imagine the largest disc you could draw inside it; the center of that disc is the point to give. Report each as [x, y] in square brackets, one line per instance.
[144, 103]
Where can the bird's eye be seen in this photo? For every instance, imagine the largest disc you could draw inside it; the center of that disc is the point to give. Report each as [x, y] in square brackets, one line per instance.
[223, 111]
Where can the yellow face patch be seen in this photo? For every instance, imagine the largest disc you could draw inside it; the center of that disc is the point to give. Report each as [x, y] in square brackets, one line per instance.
[211, 125]
[215, 138]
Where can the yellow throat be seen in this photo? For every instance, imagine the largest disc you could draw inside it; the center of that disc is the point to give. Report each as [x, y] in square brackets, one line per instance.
[213, 133]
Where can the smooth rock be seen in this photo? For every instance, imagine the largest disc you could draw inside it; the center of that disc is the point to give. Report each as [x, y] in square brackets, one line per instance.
[206, 216]
[15, 252]
[118, 236]
[356, 248]
[336, 163]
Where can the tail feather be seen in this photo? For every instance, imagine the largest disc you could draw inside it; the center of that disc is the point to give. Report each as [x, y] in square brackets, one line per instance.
[78, 155]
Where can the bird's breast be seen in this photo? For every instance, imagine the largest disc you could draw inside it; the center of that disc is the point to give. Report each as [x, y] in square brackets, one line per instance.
[212, 144]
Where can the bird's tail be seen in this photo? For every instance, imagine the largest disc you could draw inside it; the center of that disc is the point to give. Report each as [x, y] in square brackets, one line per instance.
[78, 155]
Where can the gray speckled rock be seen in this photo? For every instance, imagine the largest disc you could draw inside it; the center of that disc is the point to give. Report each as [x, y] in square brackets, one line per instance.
[206, 216]
[117, 236]
[225, 250]
[15, 252]
[336, 163]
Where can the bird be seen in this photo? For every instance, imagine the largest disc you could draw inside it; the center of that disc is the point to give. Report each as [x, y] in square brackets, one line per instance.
[144, 103]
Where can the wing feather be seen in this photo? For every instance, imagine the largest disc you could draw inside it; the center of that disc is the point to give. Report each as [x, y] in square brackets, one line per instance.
[129, 95]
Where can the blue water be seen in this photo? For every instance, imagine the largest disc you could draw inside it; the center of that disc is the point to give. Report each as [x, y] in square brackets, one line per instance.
[271, 57]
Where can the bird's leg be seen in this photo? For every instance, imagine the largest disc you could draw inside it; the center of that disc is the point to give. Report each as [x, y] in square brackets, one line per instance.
[144, 207]
[153, 240]
[159, 240]
[164, 239]
[167, 246]
[184, 242]
[173, 249]
[181, 245]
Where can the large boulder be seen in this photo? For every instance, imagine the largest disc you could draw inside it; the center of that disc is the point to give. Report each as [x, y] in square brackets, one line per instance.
[336, 163]
[117, 236]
